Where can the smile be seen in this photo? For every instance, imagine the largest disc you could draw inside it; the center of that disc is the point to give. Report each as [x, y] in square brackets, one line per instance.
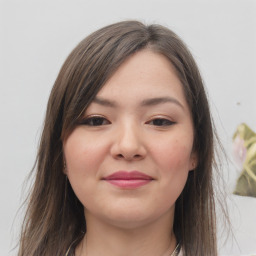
[128, 180]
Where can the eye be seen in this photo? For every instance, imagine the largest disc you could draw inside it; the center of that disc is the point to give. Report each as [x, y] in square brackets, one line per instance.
[95, 121]
[160, 122]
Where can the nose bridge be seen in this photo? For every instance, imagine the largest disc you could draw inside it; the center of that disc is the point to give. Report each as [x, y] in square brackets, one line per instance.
[129, 141]
[129, 134]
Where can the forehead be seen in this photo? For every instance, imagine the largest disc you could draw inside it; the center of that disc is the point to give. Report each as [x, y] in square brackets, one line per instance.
[145, 74]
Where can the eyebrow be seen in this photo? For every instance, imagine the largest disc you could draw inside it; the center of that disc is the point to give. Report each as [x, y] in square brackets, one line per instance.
[146, 102]
[104, 102]
[160, 100]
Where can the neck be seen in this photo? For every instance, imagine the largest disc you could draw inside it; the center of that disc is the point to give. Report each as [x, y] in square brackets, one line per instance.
[151, 239]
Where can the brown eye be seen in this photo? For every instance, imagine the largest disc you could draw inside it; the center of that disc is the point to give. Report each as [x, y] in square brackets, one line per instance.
[160, 122]
[95, 121]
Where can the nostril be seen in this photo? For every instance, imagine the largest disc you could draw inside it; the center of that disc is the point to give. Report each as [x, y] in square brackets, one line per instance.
[128, 157]
[120, 156]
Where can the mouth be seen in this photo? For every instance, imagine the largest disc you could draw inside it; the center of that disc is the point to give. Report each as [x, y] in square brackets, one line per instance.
[128, 180]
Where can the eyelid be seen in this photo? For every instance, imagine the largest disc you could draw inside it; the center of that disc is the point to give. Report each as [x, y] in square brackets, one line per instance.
[94, 115]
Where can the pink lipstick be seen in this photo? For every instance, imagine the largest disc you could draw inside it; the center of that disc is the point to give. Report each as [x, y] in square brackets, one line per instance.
[128, 180]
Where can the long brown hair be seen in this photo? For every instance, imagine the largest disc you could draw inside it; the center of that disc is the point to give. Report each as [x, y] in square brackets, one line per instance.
[55, 217]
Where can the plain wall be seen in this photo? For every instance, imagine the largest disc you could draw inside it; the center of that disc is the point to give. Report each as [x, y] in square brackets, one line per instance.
[37, 36]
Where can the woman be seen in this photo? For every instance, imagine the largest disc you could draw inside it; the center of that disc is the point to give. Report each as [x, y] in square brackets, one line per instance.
[125, 161]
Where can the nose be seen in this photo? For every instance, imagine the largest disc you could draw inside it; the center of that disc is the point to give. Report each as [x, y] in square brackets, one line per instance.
[128, 144]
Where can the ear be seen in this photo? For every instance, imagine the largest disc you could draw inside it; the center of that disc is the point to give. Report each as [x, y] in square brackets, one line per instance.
[193, 161]
[64, 168]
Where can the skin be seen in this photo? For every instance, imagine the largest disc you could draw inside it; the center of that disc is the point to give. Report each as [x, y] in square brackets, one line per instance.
[124, 129]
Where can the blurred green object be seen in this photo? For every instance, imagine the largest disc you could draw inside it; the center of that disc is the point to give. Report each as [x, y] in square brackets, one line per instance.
[244, 142]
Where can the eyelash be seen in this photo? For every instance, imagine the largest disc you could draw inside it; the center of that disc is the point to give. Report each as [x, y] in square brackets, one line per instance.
[100, 121]
[163, 122]
[95, 121]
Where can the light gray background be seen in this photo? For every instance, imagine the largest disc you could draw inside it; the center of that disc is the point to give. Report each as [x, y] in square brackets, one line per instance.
[37, 36]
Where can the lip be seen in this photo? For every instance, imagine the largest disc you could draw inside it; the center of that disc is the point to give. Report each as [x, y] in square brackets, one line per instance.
[125, 179]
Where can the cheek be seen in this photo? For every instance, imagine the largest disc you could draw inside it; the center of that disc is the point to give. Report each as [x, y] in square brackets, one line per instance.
[173, 155]
[173, 159]
[83, 154]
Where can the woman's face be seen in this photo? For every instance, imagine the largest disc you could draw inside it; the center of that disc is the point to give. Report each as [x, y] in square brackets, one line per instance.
[129, 158]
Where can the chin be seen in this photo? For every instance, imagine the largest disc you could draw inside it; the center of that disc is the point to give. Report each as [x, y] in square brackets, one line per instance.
[129, 221]
[131, 216]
